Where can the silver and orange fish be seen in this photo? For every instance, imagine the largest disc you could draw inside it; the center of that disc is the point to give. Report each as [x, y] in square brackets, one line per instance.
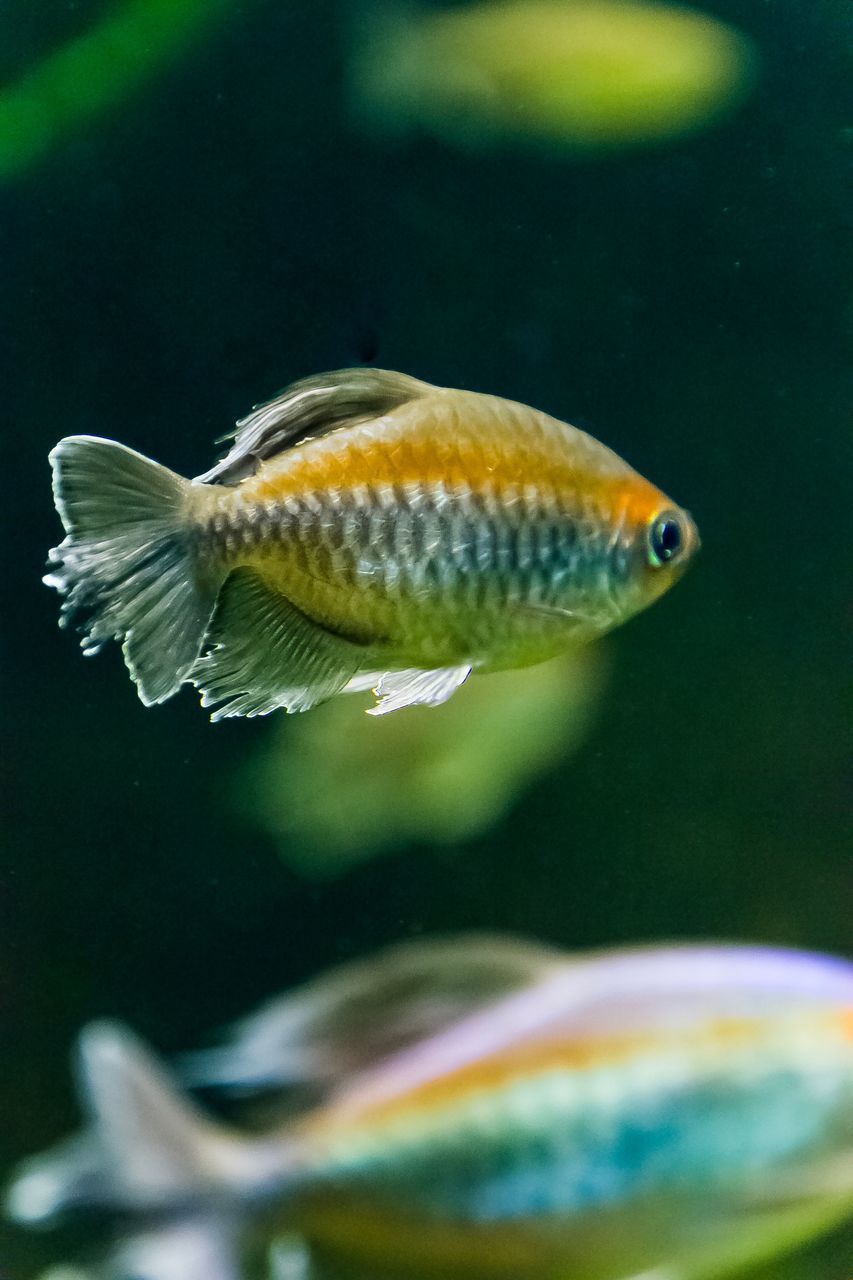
[489, 1108]
[366, 530]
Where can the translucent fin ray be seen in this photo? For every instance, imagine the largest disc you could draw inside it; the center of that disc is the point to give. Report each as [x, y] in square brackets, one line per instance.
[267, 654]
[398, 689]
[309, 408]
[126, 568]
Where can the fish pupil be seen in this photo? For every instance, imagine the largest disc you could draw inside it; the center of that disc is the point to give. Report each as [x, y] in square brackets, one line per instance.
[666, 540]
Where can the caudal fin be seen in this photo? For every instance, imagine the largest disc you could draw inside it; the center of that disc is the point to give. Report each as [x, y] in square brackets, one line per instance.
[126, 567]
[146, 1148]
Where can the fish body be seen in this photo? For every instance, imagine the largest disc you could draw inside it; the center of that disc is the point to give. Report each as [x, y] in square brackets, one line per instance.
[593, 1159]
[368, 530]
[678, 1111]
[454, 526]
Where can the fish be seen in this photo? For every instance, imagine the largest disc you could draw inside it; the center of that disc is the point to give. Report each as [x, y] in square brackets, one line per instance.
[564, 74]
[489, 1106]
[366, 530]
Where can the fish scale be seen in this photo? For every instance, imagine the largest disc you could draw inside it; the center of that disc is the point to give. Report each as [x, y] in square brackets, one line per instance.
[448, 538]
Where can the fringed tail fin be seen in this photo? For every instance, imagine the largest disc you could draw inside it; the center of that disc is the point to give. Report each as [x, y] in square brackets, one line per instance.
[147, 1147]
[126, 566]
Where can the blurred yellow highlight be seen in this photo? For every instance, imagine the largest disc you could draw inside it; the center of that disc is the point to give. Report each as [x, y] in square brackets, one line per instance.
[337, 787]
[577, 73]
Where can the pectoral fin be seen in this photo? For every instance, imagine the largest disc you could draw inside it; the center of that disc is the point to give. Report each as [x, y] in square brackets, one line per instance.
[572, 620]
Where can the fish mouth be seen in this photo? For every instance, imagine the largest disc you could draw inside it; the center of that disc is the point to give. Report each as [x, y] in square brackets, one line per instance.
[694, 541]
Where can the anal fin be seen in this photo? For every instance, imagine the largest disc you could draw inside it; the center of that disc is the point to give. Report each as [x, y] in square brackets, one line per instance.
[397, 689]
[267, 654]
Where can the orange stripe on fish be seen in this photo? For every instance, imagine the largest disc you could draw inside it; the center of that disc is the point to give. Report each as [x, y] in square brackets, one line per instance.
[709, 1041]
[463, 442]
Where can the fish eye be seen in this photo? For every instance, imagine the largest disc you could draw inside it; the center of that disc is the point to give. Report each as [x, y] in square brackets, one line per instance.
[666, 539]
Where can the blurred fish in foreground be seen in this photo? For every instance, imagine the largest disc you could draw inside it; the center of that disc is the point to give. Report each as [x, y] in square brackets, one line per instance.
[333, 789]
[483, 1106]
[575, 73]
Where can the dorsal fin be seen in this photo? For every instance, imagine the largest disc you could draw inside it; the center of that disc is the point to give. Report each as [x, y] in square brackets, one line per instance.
[309, 408]
[345, 1021]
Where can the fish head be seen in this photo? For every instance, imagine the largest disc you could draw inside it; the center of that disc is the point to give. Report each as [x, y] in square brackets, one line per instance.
[653, 544]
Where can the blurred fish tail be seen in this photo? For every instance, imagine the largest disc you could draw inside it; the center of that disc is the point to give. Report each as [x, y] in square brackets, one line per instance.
[147, 1146]
[127, 564]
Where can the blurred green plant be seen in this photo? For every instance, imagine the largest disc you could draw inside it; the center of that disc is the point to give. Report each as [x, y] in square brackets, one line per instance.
[79, 81]
[337, 786]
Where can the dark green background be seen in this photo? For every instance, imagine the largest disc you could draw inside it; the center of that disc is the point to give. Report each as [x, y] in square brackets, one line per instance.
[225, 231]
